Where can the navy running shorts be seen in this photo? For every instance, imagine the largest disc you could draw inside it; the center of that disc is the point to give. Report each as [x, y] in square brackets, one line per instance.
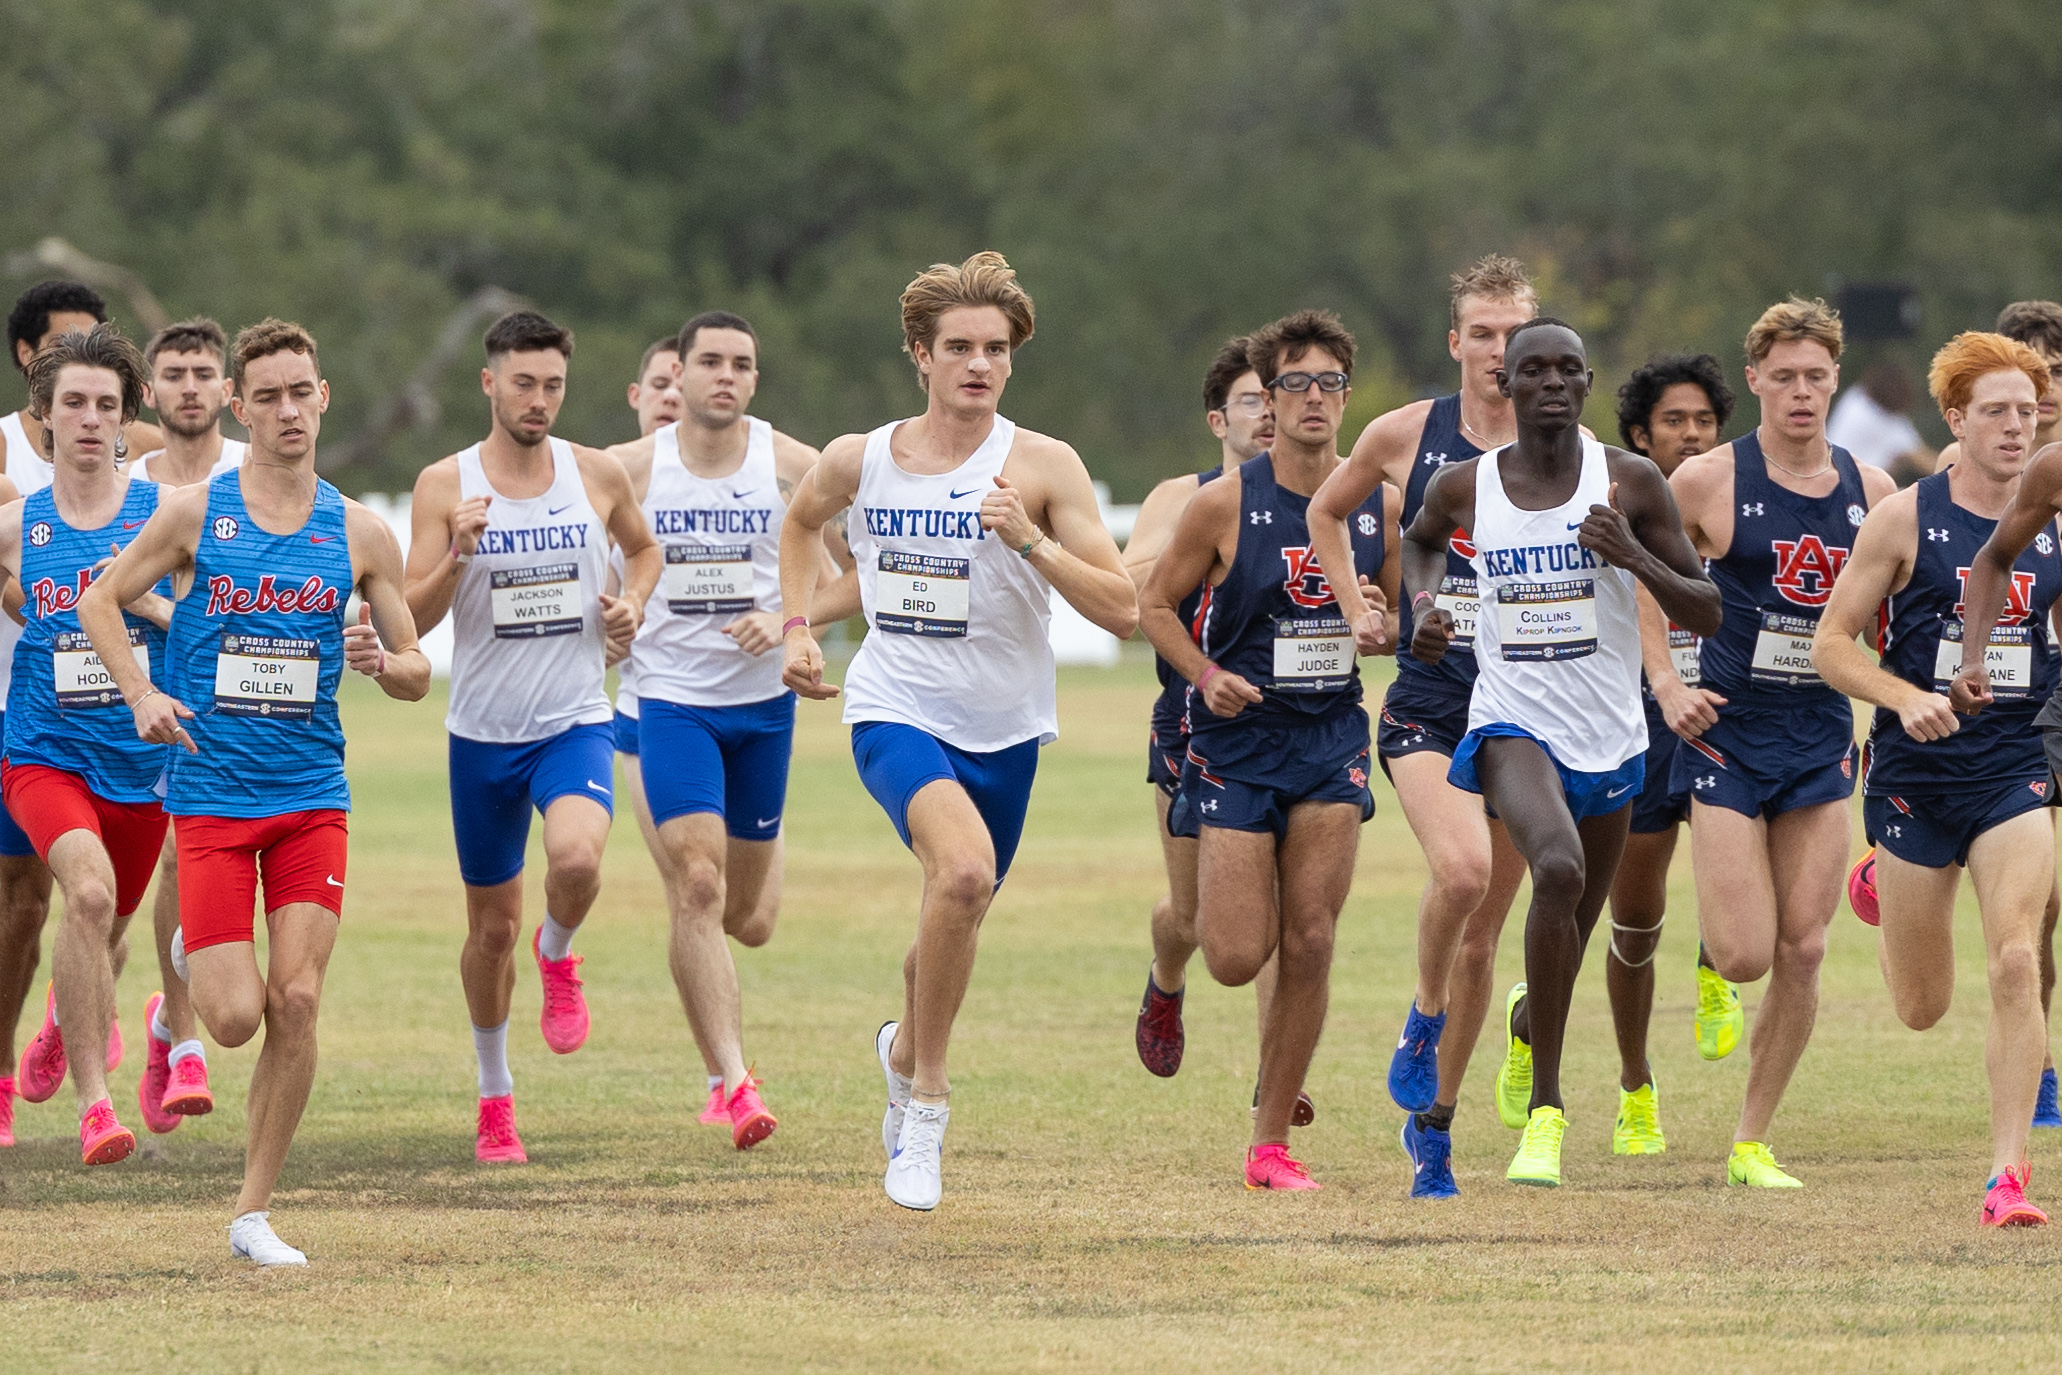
[1250, 779]
[494, 786]
[1766, 763]
[1934, 830]
[732, 761]
[1660, 806]
[1587, 794]
[1163, 762]
[1420, 716]
[896, 761]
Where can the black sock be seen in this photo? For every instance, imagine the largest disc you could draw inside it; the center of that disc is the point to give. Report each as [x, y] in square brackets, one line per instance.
[1704, 958]
[1440, 1118]
[1521, 1024]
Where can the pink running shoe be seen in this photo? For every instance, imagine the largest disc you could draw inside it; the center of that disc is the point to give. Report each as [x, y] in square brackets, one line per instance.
[7, 1096]
[188, 1094]
[1269, 1167]
[498, 1140]
[43, 1063]
[715, 1114]
[114, 1044]
[1861, 889]
[157, 1073]
[102, 1140]
[2005, 1204]
[750, 1123]
[564, 1019]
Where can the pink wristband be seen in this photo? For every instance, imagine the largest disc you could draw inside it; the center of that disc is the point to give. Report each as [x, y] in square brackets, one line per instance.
[1204, 681]
[791, 623]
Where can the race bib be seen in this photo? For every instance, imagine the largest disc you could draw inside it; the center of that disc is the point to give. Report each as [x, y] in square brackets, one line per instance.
[1782, 651]
[1549, 620]
[1458, 599]
[916, 594]
[529, 602]
[82, 680]
[709, 579]
[1682, 653]
[1312, 654]
[257, 675]
[2009, 657]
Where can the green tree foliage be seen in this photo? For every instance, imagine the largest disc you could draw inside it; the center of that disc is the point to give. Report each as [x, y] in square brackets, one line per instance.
[1163, 172]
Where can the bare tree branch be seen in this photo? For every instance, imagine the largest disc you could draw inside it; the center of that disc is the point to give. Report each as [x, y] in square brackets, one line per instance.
[57, 255]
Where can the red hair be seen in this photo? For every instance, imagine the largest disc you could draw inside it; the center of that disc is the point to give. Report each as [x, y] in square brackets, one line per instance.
[1973, 355]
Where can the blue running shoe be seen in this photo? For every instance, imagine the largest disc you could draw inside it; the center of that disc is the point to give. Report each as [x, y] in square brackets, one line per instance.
[1414, 1068]
[1431, 1157]
[2045, 1111]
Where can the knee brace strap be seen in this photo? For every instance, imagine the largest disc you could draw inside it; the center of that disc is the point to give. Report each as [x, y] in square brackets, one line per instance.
[1654, 931]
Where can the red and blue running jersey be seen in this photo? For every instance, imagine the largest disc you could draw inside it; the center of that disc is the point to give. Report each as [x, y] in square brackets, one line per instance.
[257, 647]
[63, 710]
[1923, 646]
[1440, 444]
[1170, 708]
[1273, 620]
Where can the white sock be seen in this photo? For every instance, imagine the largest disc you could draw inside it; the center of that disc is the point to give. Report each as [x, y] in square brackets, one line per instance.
[715, 1082]
[186, 1050]
[158, 1028]
[491, 1045]
[555, 942]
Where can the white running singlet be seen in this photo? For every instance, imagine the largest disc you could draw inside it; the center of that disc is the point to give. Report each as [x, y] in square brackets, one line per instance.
[957, 642]
[1557, 643]
[528, 647]
[31, 473]
[721, 541]
[233, 451]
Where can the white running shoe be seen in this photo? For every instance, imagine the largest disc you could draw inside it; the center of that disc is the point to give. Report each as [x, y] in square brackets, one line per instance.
[913, 1176]
[898, 1090]
[178, 954]
[251, 1238]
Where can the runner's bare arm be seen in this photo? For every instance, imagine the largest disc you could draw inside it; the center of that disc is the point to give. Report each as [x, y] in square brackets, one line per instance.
[755, 632]
[1876, 485]
[1066, 541]
[1201, 550]
[443, 533]
[1990, 572]
[1389, 578]
[165, 545]
[621, 615]
[1449, 506]
[1385, 451]
[1158, 516]
[12, 598]
[1703, 490]
[1331, 506]
[382, 645]
[824, 494]
[1641, 532]
[1689, 711]
[1880, 567]
[11, 595]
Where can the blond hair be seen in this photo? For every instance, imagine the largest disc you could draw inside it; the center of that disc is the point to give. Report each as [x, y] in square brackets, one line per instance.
[1788, 321]
[986, 279]
[1493, 277]
[1974, 354]
[267, 337]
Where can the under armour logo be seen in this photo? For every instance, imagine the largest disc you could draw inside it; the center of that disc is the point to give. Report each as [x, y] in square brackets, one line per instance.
[1894, 831]
[1209, 804]
[1709, 780]
[1260, 517]
[1750, 508]
[1434, 460]
[1939, 536]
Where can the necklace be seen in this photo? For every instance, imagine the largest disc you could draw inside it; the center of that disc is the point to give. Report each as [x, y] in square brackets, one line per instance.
[1482, 440]
[1816, 472]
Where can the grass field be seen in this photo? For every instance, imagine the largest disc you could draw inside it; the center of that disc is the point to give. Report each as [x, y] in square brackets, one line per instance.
[1093, 1215]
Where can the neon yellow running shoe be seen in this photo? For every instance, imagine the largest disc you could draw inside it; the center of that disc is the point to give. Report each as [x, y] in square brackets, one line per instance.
[1755, 1166]
[1638, 1129]
[1514, 1075]
[1719, 1018]
[1538, 1161]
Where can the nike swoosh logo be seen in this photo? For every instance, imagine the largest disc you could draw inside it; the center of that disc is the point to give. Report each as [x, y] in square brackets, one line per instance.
[597, 787]
[320, 539]
[766, 821]
[556, 509]
[1574, 525]
[740, 496]
[897, 1155]
[333, 882]
[1616, 791]
[967, 493]
[131, 524]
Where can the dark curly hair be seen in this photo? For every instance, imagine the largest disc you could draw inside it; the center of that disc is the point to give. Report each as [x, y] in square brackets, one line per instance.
[1642, 391]
[29, 321]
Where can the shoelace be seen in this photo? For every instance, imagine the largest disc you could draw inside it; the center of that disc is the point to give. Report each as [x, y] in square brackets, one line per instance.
[499, 1128]
[1546, 1131]
[563, 988]
[926, 1136]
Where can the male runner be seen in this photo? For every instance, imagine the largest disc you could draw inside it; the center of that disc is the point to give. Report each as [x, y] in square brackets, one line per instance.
[511, 537]
[189, 387]
[263, 559]
[1474, 872]
[1239, 413]
[1274, 779]
[1556, 738]
[711, 705]
[655, 395]
[1673, 408]
[40, 315]
[964, 527]
[1770, 759]
[1941, 793]
[84, 787]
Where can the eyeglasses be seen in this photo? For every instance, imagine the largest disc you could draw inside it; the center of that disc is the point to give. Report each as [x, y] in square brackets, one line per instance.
[1300, 381]
[1252, 403]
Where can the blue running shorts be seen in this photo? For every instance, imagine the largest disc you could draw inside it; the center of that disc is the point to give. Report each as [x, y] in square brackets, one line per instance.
[1588, 794]
[494, 786]
[732, 761]
[1766, 763]
[1249, 779]
[625, 728]
[1934, 830]
[895, 761]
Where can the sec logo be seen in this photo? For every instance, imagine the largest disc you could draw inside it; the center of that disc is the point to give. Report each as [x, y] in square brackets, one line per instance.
[2044, 544]
[1367, 523]
[225, 527]
[1855, 514]
[39, 533]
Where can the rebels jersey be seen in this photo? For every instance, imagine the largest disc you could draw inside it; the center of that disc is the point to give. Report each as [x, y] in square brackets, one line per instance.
[1273, 620]
[1923, 646]
[1775, 579]
[62, 707]
[1442, 443]
[257, 645]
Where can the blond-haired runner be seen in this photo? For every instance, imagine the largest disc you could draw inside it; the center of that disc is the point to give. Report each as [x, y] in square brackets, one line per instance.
[963, 527]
